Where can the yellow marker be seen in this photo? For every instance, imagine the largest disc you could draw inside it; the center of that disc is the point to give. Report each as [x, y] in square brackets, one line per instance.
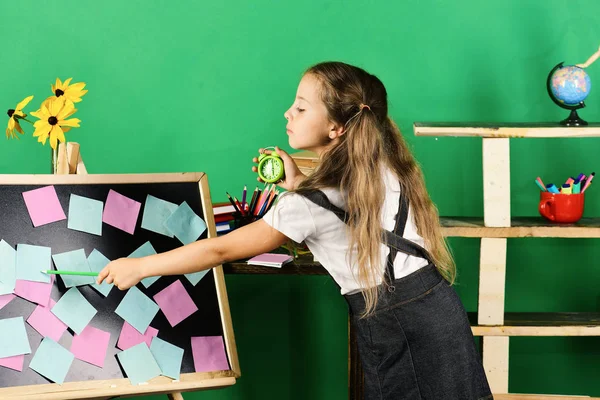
[566, 189]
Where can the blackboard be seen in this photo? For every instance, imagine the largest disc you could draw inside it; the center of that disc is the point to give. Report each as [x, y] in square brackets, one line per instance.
[86, 380]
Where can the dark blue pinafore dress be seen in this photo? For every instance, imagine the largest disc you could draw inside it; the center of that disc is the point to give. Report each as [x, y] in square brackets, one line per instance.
[418, 343]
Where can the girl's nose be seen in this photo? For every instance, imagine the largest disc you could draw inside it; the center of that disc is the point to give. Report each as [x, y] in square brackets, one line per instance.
[286, 115]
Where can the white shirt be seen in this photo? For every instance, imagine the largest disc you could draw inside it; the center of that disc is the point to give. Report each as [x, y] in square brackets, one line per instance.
[327, 236]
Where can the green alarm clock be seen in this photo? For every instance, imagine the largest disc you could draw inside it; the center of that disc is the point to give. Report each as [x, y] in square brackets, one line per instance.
[270, 167]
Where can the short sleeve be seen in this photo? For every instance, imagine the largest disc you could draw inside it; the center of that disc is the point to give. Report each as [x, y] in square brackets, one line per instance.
[292, 217]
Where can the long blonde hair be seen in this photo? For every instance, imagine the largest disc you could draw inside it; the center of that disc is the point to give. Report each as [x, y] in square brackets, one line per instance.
[353, 166]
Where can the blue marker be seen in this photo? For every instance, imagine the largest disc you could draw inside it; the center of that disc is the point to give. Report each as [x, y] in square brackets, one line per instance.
[552, 188]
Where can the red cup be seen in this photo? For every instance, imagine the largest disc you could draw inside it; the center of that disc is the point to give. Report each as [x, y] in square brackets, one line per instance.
[562, 208]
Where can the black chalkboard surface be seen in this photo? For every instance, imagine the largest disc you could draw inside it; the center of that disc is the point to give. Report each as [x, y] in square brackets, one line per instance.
[86, 380]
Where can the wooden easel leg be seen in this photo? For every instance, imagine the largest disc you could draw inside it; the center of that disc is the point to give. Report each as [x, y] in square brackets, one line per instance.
[175, 396]
[355, 372]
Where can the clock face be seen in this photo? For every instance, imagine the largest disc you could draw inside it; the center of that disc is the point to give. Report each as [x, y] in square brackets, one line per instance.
[271, 168]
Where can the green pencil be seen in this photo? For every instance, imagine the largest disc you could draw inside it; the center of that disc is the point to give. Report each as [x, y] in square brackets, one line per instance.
[80, 273]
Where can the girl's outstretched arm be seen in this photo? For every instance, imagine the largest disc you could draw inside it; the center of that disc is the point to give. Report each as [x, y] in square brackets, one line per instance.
[248, 241]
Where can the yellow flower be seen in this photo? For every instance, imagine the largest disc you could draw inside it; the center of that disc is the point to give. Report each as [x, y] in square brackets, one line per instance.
[53, 121]
[72, 92]
[14, 115]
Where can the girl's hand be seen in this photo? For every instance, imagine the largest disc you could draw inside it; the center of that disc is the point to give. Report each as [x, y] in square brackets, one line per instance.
[123, 273]
[292, 177]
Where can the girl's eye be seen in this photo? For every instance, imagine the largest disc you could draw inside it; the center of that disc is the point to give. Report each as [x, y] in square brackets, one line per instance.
[300, 109]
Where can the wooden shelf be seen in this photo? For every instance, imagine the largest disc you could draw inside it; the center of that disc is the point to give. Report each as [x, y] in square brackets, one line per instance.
[504, 130]
[541, 324]
[520, 227]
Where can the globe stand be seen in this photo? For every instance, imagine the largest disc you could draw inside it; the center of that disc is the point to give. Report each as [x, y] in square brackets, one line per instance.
[573, 118]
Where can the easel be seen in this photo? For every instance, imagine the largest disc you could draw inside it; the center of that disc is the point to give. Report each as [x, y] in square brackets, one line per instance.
[69, 161]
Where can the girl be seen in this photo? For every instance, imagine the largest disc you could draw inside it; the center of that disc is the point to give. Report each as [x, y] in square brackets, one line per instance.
[366, 215]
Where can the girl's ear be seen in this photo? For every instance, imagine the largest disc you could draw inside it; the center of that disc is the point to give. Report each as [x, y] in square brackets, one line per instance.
[336, 131]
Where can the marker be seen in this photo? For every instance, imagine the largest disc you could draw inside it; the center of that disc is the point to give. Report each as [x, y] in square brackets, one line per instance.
[576, 186]
[580, 177]
[588, 182]
[539, 182]
[570, 180]
[552, 188]
[566, 189]
[542, 188]
[79, 273]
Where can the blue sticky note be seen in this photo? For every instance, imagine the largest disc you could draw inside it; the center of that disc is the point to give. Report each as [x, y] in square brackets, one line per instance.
[137, 309]
[139, 364]
[195, 277]
[145, 250]
[52, 361]
[73, 261]
[185, 224]
[97, 261]
[13, 337]
[168, 357]
[31, 260]
[8, 268]
[74, 310]
[85, 215]
[156, 213]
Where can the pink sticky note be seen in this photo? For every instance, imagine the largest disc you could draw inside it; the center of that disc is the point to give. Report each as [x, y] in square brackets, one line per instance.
[5, 299]
[209, 353]
[91, 345]
[121, 212]
[43, 206]
[175, 302]
[46, 323]
[14, 362]
[130, 336]
[36, 292]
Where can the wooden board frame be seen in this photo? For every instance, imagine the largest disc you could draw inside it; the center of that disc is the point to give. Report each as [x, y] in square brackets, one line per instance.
[160, 385]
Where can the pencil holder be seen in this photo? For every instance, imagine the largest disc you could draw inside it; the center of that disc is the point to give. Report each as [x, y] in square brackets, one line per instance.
[240, 220]
[561, 207]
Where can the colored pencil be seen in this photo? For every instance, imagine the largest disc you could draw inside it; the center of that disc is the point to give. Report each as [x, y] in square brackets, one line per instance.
[80, 273]
[239, 205]
[252, 200]
[233, 204]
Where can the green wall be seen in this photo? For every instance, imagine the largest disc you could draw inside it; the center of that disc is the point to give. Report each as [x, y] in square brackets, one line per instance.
[200, 86]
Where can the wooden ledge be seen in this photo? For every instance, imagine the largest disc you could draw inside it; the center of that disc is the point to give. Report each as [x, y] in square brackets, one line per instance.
[520, 227]
[504, 130]
[541, 324]
[516, 396]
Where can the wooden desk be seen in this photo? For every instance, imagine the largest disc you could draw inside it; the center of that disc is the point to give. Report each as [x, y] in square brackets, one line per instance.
[305, 265]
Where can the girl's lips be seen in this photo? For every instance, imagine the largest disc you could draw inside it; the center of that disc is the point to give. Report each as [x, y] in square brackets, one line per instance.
[289, 132]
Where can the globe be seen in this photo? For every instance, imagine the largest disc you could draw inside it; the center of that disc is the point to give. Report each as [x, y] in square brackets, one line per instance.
[568, 87]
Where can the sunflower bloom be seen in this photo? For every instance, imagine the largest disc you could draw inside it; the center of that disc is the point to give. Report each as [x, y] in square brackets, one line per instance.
[72, 92]
[53, 122]
[14, 115]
